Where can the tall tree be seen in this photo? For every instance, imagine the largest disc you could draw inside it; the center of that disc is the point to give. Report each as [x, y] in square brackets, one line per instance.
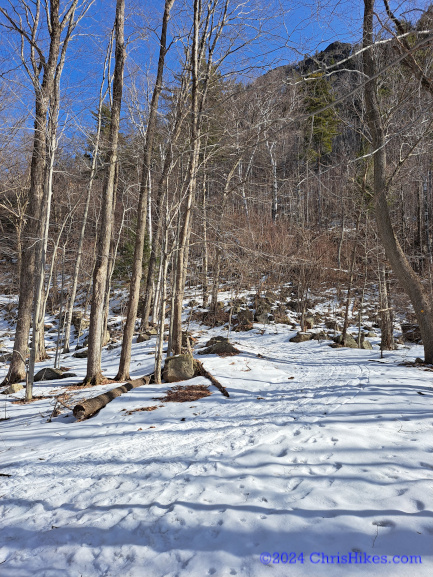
[137, 267]
[411, 282]
[207, 28]
[94, 375]
[44, 70]
[95, 154]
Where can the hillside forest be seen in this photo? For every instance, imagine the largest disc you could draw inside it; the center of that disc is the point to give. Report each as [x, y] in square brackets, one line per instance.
[152, 161]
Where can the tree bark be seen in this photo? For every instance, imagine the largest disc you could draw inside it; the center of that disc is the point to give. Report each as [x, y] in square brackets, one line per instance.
[200, 370]
[95, 156]
[394, 253]
[163, 300]
[137, 268]
[205, 255]
[88, 408]
[94, 375]
[203, 29]
[32, 228]
[386, 324]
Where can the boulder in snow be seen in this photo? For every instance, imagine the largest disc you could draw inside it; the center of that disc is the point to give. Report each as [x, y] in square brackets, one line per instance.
[81, 354]
[301, 337]
[48, 374]
[13, 389]
[142, 338]
[178, 368]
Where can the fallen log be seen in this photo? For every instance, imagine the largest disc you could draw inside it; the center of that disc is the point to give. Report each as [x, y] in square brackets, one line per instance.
[89, 407]
[202, 372]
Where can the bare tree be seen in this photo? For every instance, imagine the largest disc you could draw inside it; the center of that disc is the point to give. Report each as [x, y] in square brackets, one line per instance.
[95, 153]
[207, 29]
[44, 71]
[408, 278]
[94, 375]
[134, 291]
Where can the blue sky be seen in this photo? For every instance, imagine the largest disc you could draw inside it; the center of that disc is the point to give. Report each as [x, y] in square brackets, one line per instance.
[289, 30]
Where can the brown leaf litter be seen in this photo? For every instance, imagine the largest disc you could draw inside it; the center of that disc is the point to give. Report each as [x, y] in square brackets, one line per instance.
[185, 393]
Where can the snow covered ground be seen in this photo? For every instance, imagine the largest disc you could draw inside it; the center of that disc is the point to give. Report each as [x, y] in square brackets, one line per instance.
[317, 451]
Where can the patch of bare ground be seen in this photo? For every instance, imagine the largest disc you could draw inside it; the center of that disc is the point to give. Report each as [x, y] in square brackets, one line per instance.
[185, 393]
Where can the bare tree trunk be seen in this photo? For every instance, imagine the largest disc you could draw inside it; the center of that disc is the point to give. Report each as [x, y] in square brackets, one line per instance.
[394, 253]
[17, 369]
[134, 291]
[361, 308]
[40, 351]
[349, 288]
[199, 37]
[340, 242]
[216, 280]
[95, 156]
[111, 265]
[205, 255]
[61, 325]
[274, 211]
[386, 324]
[157, 293]
[160, 197]
[163, 299]
[173, 284]
[205, 35]
[94, 375]
[420, 227]
[56, 28]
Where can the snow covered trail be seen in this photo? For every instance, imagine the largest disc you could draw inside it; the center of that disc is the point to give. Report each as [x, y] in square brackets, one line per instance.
[317, 450]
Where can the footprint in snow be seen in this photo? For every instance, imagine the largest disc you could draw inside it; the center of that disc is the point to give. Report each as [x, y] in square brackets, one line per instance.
[419, 505]
[401, 492]
[293, 484]
[326, 457]
[384, 523]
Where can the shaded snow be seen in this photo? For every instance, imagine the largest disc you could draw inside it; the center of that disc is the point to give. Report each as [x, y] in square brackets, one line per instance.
[337, 459]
